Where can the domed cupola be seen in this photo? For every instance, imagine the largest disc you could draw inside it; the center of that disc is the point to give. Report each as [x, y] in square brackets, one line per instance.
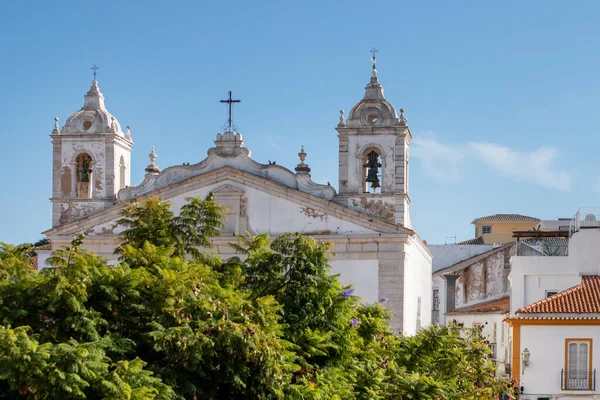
[93, 117]
[374, 110]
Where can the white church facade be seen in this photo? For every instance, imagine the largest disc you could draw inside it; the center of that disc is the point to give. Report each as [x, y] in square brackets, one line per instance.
[367, 220]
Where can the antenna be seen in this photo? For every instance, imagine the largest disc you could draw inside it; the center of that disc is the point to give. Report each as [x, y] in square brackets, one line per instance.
[451, 237]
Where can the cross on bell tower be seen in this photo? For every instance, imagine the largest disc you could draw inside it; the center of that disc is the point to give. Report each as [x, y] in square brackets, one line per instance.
[230, 101]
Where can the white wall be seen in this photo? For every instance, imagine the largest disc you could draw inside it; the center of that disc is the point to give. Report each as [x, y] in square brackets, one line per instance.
[417, 278]
[532, 276]
[363, 274]
[546, 345]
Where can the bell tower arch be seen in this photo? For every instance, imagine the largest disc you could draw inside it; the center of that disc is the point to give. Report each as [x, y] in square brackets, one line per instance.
[373, 156]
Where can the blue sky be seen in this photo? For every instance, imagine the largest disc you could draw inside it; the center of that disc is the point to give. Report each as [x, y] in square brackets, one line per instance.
[501, 97]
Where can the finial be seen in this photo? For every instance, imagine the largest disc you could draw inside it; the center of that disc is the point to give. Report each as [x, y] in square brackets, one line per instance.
[342, 122]
[302, 154]
[402, 118]
[128, 133]
[302, 168]
[374, 51]
[152, 168]
[56, 128]
[95, 68]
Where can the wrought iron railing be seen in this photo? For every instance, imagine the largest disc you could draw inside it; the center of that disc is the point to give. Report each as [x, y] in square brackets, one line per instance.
[579, 380]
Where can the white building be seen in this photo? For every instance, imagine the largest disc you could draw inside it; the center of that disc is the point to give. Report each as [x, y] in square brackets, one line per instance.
[368, 220]
[474, 292]
[555, 317]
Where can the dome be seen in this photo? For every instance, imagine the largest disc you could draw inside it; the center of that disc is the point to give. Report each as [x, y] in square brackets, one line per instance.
[93, 116]
[374, 110]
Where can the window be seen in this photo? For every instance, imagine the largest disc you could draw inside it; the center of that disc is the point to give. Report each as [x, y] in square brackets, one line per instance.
[435, 315]
[486, 229]
[551, 293]
[578, 364]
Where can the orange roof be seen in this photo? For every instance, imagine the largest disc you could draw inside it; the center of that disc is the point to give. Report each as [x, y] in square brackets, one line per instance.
[501, 305]
[506, 217]
[580, 299]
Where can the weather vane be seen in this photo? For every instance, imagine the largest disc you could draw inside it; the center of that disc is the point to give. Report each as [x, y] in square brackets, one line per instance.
[230, 101]
[95, 68]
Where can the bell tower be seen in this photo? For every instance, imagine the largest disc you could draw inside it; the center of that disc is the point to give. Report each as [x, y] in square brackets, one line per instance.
[373, 156]
[91, 160]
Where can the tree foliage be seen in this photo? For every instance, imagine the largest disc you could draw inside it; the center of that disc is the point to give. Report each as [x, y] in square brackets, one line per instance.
[171, 322]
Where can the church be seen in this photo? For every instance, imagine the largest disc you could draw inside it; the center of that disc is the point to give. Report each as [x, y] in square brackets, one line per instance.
[367, 218]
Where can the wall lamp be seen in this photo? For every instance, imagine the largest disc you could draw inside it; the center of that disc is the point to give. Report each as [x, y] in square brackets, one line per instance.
[525, 358]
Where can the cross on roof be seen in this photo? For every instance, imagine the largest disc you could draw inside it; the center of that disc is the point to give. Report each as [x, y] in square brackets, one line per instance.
[95, 68]
[230, 101]
[373, 51]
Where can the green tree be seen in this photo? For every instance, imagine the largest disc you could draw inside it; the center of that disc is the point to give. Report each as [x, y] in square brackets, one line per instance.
[172, 322]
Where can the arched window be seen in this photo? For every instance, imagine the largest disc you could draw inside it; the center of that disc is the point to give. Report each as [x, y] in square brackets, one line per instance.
[83, 170]
[372, 170]
[122, 173]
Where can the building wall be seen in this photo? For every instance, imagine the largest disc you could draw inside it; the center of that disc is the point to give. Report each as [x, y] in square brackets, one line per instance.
[532, 276]
[485, 280]
[502, 231]
[546, 345]
[417, 290]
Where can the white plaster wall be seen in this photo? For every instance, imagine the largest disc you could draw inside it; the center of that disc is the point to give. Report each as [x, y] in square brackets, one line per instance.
[357, 144]
[584, 251]
[273, 215]
[363, 274]
[43, 256]
[417, 279]
[546, 345]
[126, 154]
[530, 277]
[445, 255]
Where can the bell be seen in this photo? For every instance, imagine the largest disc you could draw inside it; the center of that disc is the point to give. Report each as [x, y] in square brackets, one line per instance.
[372, 175]
[375, 185]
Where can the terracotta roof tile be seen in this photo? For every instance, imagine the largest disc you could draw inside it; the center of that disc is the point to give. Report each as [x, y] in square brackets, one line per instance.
[477, 240]
[501, 305]
[506, 217]
[44, 247]
[580, 299]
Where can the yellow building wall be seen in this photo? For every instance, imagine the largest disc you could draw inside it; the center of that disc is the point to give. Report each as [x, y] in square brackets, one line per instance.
[502, 231]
